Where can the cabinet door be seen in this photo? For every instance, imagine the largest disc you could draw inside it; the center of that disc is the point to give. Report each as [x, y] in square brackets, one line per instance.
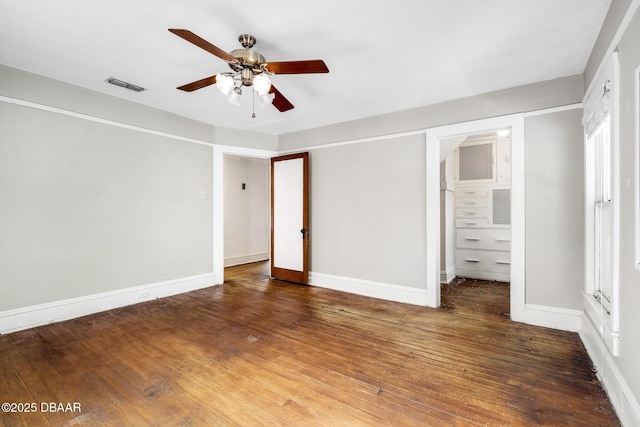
[501, 206]
[474, 162]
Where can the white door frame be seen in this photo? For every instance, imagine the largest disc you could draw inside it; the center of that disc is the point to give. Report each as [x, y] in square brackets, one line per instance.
[219, 152]
[434, 136]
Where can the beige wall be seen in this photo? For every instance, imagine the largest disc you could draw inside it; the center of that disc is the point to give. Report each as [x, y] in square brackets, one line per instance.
[100, 194]
[368, 211]
[552, 93]
[554, 203]
[89, 207]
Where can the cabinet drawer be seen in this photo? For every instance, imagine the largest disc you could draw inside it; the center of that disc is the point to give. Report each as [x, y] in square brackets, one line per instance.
[470, 238]
[490, 261]
[472, 202]
[482, 191]
[472, 213]
[472, 222]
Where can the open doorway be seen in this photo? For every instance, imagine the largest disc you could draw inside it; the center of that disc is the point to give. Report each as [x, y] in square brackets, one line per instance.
[436, 139]
[219, 154]
[246, 210]
[475, 209]
[476, 206]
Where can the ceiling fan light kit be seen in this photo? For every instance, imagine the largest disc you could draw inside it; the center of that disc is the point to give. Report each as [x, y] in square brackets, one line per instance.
[261, 84]
[224, 83]
[250, 69]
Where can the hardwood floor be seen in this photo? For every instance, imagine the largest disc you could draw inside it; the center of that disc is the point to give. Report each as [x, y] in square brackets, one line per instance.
[261, 352]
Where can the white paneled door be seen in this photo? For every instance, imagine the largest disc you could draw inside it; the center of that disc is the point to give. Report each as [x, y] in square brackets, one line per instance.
[290, 218]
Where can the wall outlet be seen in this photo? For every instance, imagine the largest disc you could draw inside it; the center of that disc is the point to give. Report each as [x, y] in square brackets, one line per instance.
[203, 194]
[144, 294]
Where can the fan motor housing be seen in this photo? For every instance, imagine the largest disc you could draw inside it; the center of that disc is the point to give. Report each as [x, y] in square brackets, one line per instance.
[247, 58]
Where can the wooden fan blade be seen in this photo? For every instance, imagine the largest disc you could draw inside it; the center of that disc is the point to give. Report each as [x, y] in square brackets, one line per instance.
[202, 43]
[298, 67]
[190, 87]
[279, 101]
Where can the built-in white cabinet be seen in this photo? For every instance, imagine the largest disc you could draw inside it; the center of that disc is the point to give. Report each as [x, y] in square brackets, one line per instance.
[482, 209]
[482, 160]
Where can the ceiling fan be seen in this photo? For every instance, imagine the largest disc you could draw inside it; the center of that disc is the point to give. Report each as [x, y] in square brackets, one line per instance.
[250, 68]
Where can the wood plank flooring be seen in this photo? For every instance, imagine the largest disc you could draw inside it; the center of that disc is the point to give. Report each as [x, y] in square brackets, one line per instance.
[262, 352]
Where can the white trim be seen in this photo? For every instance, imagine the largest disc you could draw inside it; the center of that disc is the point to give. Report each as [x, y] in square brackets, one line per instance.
[552, 110]
[589, 217]
[608, 323]
[56, 110]
[516, 123]
[354, 141]
[616, 197]
[219, 152]
[385, 291]
[245, 152]
[421, 131]
[552, 317]
[518, 297]
[624, 402]
[446, 276]
[432, 228]
[56, 311]
[245, 259]
[595, 311]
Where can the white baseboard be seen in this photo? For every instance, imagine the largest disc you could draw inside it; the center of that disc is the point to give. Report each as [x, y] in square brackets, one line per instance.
[385, 291]
[621, 397]
[245, 259]
[447, 276]
[552, 317]
[42, 314]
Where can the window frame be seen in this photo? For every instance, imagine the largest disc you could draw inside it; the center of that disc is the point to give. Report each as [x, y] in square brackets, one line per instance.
[607, 321]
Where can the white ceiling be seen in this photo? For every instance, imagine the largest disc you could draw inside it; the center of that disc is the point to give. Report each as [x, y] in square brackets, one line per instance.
[383, 56]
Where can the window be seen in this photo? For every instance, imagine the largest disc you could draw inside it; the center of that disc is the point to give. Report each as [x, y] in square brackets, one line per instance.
[602, 234]
[600, 142]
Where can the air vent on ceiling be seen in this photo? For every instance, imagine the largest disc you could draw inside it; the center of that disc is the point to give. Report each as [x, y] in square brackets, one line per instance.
[125, 85]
